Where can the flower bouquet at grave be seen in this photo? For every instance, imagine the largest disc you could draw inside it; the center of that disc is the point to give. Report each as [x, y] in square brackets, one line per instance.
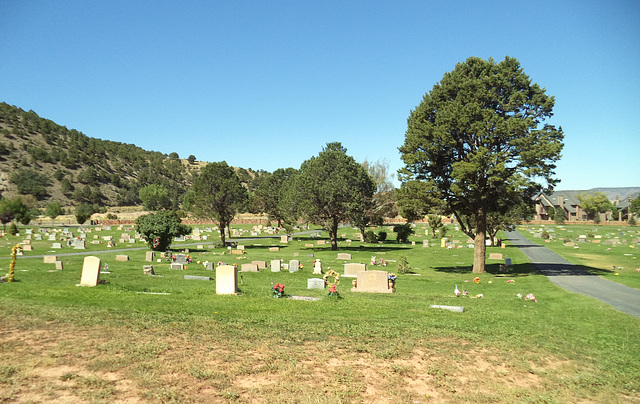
[333, 292]
[278, 290]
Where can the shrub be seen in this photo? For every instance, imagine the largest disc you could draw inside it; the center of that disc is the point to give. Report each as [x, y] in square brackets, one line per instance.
[403, 231]
[370, 237]
[13, 229]
[403, 265]
[632, 221]
[545, 234]
[382, 236]
[111, 216]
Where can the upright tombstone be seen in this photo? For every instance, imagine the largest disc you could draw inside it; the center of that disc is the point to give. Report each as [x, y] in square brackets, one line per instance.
[79, 245]
[148, 270]
[90, 271]
[317, 267]
[226, 280]
[122, 258]
[249, 268]
[59, 265]
[275, 265]
[373, 282]
[294, 265]
[351, 269]
[260, 264]
[149, 255]
[284, 239]
[50, 259]
[425, 243]
[344, 256]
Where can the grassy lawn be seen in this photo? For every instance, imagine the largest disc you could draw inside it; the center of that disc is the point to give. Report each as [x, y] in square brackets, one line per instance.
[137, 338]
[608, 251]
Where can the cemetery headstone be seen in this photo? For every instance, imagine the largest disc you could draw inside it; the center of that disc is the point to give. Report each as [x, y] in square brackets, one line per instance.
[284, 239]
[495, 256]
[59, 265]
[260, 264]
[275, 265]
[50, 259]
[148, 256]
[90, 271]
[294, 265]
[425, 243]
[176, 266]
[315, 283]
[122, 258]
[197, 278]
[317, 267]
[249, 268]
[226, 280]
[344, 256]
[274, 249]
[351, 269]
[148, 270]
[56, 245]
[373, 282]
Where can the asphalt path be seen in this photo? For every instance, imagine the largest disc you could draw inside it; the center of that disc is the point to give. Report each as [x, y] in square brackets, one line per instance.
[575, 279]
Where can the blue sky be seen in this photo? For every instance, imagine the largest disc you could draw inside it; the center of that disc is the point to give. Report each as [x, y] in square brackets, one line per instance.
[266, 84]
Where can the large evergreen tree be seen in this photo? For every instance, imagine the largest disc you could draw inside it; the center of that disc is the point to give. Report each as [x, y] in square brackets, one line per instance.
[217, 194]
[479, 136]
[333, 188]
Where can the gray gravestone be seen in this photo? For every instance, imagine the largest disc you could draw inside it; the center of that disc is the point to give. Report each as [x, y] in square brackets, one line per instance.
[315, 283]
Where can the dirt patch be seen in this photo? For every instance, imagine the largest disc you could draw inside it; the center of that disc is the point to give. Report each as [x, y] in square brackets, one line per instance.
[63, 363]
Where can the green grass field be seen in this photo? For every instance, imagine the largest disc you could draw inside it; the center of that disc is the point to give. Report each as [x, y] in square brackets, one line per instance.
[137, 338]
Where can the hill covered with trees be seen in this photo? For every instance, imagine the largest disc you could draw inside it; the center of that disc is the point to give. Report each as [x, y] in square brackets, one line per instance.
[50, 162]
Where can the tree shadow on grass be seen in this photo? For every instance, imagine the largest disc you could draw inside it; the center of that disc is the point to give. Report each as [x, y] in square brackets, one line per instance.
[527, 269]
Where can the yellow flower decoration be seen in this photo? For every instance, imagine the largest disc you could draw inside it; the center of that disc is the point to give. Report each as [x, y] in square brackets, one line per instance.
[331, 274]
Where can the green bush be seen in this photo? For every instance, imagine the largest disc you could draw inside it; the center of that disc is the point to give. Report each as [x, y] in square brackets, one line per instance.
[382, 236]
[13, 229]
[370, 237]
[403, 231]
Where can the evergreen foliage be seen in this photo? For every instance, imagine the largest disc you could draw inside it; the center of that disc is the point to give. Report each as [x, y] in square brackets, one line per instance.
[159, 229]
[478, 138]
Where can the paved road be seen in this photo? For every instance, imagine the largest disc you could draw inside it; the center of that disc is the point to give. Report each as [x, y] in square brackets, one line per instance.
[573, 278]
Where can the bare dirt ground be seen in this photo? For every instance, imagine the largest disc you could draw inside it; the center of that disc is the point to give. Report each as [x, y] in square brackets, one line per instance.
[61, 363]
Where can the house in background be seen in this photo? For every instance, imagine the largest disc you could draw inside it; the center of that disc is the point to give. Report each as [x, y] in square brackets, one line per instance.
[547, 204]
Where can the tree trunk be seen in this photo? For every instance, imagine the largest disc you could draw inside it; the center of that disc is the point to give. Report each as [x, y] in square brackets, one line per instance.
[479, 246]
[333, 234]
[223, 227]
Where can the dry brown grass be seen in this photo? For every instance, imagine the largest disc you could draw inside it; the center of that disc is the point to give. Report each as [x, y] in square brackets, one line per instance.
[65, 363]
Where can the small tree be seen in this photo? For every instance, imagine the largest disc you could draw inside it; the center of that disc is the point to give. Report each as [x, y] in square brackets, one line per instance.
[595, 204]
[403, 231]
[560, 216]
[158, 229]
[435, 223]
[155, 197]
[54, 209]
[6, 212]
[191, 159]
[83, 212]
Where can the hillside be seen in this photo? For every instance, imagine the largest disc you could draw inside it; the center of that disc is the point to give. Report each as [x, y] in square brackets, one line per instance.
[41, 158]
